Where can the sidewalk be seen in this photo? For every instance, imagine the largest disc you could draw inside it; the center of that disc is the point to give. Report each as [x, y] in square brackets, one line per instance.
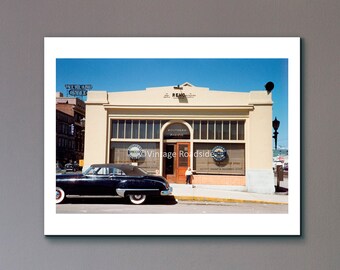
[222, 194]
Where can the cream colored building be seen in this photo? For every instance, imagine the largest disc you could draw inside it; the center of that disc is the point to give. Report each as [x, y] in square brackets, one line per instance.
[225, 137]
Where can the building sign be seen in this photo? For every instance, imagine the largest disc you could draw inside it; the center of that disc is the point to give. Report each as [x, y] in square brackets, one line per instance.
[219, 153]
[78, 89]
[135, 151]
[179, 95]
[177, 131]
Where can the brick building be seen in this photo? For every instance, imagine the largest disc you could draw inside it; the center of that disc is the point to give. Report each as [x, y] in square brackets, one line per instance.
[70, 116]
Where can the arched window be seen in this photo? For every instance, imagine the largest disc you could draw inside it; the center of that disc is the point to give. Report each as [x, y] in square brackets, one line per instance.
[177, 131]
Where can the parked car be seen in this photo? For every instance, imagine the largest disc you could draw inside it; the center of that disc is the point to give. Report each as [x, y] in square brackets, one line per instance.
[114, 180]
[69, 167]
[59, 169]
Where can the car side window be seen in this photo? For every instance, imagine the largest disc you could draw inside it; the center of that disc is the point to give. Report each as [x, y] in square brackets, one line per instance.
[97, 171]
[118, 172]
[103, 171]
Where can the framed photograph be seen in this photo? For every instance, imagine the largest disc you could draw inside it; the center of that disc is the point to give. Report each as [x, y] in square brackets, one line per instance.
[172, 136]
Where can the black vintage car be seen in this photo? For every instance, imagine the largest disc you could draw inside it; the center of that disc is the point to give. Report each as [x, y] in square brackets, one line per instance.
[114, 180]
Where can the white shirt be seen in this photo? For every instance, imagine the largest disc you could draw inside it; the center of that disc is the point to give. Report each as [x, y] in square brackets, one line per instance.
[187, 172]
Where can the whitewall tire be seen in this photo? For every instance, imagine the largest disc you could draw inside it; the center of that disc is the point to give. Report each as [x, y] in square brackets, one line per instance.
[137, 198]
[60, 195]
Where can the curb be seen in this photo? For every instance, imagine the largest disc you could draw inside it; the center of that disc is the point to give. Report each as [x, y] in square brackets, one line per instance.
[210, 199]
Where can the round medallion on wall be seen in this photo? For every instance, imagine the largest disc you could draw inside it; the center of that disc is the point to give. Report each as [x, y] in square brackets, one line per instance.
[135, 151]
[219, 153]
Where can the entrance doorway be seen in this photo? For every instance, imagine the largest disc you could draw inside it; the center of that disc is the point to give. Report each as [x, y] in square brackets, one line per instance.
[176, 161]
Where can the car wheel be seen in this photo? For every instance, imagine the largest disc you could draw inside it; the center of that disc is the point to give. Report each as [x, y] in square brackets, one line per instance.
[60, 195]
[137, 198]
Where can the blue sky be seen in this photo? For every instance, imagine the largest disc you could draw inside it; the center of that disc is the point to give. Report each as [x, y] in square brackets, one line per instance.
[236, 75]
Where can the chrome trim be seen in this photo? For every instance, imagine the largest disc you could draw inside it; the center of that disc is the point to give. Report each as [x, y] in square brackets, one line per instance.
[121, 191]
[91, 196]
[167, 192]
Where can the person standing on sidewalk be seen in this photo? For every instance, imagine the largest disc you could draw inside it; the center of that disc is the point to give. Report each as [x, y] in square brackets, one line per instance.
[188, 174]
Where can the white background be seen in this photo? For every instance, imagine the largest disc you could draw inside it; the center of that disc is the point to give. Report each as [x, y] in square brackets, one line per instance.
[157, 224]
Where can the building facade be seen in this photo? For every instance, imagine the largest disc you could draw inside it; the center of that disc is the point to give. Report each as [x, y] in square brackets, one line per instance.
[70, 115]
[225, 137]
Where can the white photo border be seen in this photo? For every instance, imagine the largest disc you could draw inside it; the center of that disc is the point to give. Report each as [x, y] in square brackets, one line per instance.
[163, 224]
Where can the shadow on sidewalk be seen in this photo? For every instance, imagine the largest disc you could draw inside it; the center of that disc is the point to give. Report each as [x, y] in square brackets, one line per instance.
[281, 190]
[168, 200]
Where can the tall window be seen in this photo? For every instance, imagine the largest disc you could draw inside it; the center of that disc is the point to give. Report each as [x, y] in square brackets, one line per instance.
[149, 126]
[211, 130]
[233, 130]
[128, 126]
[142, 129]
[197, 129]
[203, 130]
[218, 131]
[121, 128]
[135, 129]
[114, 129]
[156, 129]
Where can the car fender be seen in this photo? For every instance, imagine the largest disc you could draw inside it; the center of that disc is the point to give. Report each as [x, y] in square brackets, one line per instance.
[138, 186]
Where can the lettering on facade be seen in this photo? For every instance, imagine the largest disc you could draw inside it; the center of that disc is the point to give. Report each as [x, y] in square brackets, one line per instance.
[175, 131]
[179, 95]
[190, 95]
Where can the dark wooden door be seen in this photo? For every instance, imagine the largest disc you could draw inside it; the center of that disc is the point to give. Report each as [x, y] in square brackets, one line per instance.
[169, 162]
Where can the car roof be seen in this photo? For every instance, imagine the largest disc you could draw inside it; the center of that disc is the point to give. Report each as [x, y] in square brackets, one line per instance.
[118, 166]
[127, 168]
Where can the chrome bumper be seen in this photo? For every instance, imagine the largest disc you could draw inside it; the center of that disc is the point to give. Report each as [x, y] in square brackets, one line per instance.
[167, 192]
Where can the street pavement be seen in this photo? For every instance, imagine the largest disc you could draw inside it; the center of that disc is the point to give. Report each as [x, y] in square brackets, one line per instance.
[215, 193]
[166, 206]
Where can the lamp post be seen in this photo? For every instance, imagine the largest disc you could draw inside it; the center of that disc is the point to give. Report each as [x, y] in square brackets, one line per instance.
[82, 136]
[276, 125]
